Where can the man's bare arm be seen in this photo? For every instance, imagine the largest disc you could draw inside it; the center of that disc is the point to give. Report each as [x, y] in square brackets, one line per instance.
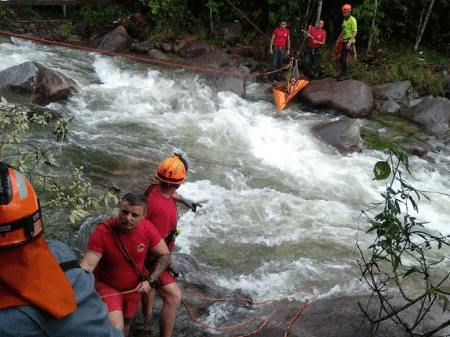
[90, 260]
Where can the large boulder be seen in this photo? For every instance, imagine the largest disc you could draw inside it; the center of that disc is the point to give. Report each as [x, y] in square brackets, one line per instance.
[351, 98]
[37, 82]
[117, 41]
[394, 91]
[193, 49]
[343, 134]
[228, 30]
[221, 77]
[433, 114]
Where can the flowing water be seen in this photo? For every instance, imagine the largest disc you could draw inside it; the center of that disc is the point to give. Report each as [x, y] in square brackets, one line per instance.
[280, 208]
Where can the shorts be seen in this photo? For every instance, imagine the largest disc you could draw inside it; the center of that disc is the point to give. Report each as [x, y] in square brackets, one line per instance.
[127, 303]
[165, 279]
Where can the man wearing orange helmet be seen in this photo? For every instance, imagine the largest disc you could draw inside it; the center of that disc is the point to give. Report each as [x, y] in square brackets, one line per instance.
[43, 290]
[116, 254]
[162, 213]
[347, 36]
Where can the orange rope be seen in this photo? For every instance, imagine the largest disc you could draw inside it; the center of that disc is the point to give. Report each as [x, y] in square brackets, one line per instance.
[264, 323]
[133, 57]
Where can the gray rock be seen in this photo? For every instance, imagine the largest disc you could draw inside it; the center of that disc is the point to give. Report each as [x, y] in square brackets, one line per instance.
[117, 41]
[414, 102]
[433, 114]
[142, 47]
[389, 108]
[351, 98]
[344, 135]
[228, 30]
[37, 82]
[413, 95]
[157, 55]
[391, 91]
[193, 49]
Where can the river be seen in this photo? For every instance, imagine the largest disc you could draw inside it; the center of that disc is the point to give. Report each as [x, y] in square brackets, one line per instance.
[280, 208]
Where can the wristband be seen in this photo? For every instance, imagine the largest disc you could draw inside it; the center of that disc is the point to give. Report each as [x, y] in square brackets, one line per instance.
[152, 283]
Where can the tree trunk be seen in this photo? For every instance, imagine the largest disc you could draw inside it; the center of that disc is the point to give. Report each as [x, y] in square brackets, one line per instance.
[319, 11]
[369, 44]
[422, 29]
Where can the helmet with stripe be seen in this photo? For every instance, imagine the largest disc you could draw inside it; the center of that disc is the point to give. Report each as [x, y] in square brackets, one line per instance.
[20, 213]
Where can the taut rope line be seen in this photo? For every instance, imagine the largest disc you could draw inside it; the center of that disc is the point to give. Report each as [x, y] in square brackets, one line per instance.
[133, 57]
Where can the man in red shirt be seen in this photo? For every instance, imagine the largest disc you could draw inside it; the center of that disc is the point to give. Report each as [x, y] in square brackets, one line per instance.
[316, 39]
[162, 212]
[280, 44]
[116, 254]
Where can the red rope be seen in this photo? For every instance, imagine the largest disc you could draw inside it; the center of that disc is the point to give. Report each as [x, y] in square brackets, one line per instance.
[134, 57]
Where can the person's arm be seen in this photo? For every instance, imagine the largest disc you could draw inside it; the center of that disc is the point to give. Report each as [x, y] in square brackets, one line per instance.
[271, 43]
[324, 39]
[355, 30]
[163, 261]
[288, 43]
[90, 261]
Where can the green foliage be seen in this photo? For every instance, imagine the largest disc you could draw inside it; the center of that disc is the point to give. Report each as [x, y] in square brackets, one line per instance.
[98, 15]
[7, 14]
[171, 13]
[66, 29]
[402, 247]
[70, 192]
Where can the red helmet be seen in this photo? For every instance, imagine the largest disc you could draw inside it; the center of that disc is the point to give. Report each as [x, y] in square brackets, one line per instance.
[346, 8]
[20, 214]
[172, 170]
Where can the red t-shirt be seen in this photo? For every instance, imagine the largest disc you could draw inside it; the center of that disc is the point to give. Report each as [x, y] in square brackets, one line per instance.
[113, 268]
[281, 36]
[162, 213]
[318, 35]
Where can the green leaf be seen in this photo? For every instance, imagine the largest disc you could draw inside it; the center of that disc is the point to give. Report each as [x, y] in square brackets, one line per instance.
[382, 170]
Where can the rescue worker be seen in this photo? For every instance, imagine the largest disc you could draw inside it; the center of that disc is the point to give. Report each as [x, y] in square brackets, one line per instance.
[348, 34]
[116, 253]
[43, 290]
[316, 39]
[280, 44]
[162, 213]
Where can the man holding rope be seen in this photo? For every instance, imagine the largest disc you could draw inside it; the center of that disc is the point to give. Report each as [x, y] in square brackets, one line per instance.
[316, 39]
[116, 254]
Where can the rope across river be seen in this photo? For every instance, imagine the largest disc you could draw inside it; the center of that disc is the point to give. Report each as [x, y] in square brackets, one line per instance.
[264, 320]
[137, 58]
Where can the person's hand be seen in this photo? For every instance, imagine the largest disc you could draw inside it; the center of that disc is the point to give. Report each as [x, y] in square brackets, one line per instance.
[287, 52]
[349, 44]
[271, 51]
[191, 204]
[143, 287]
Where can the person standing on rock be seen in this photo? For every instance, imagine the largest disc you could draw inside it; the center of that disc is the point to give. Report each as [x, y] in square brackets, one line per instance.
[316, 39]
[348, 34]
[280, 45]
[116, 254]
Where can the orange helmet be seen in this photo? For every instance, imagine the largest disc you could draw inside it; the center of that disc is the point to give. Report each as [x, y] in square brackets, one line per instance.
[20, 214]
[346, 8]
[172, 170]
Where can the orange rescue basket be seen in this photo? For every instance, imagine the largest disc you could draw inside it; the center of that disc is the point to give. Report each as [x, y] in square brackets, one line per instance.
[283, 96]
